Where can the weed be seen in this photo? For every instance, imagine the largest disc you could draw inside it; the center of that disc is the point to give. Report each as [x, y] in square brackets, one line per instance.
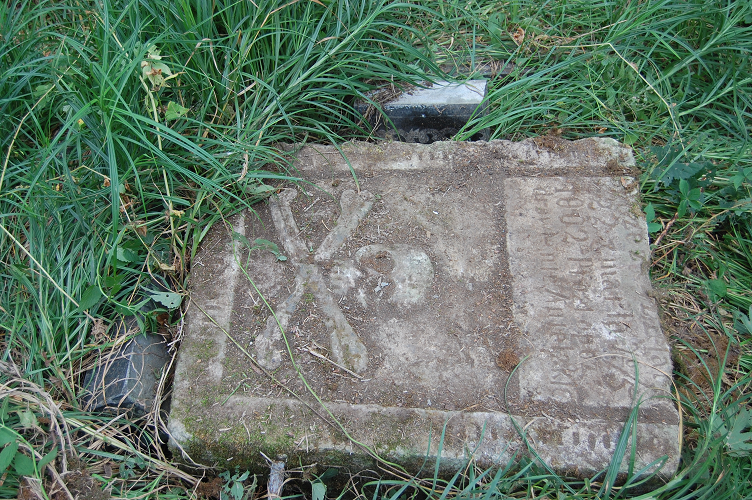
[234, 487]
[130, 128]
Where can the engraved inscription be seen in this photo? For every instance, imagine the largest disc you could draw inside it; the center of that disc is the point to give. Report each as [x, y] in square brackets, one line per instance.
[580, 293]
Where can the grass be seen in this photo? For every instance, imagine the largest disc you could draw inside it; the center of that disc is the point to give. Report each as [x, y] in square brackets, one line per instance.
[129, 128]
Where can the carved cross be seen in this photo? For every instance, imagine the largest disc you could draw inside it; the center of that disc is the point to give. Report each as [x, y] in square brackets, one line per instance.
[347, 348]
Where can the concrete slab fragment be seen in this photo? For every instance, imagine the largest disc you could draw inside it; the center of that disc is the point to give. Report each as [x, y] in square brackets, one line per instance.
[435, 113]
[445, 93]
[408, 298]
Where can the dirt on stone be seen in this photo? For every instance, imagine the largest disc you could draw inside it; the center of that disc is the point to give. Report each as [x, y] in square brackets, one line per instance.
[446, 351]
[407, 210]
[80, 485]
[414, 208]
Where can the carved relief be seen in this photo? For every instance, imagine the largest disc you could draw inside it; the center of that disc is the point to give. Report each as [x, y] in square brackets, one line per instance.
[411, 274]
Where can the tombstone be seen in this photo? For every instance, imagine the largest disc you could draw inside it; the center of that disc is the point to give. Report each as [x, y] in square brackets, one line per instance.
[456, 301]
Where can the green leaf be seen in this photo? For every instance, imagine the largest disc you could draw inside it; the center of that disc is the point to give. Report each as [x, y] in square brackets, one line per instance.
[237, 490]
[742, 322]
[39, 90]
[126, 255]
[161, 67]
[27, 419]
[739, 438]
[152, 52]
[155, 72]
[738, 180]
[170, 300]
[268, 245]
[682, 171]
[654, 227]
[717, 288]
[242, 239]
[684, 187]
[49, 457]
[7, 436]
[611, 96]
[649, 212]
[90, 297]
[671, 167]
[126, 472]
[682, 209]
[6, 456]
[496, 24]
[125, 310]
[259, 244]
[174, 111]
[318, 491]
[24, 465]
[260, 190]
[114, 283]
[329, 473]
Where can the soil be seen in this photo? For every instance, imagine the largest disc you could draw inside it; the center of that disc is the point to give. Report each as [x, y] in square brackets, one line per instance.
[209, 489]
[82, 486]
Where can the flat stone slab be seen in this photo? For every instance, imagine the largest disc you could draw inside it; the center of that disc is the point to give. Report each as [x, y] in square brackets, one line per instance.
[473, 300]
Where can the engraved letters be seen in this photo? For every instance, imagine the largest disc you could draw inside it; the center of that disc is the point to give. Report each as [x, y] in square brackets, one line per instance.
[576, 298]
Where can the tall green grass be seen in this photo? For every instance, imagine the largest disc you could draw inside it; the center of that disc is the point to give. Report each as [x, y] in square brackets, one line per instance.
[129, 128]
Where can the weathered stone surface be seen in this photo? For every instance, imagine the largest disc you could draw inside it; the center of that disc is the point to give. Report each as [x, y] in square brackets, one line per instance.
[408, 298]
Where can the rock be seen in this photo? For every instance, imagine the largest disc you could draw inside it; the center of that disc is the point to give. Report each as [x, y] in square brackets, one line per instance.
[436, 113]
[491, 295]
[127, 376]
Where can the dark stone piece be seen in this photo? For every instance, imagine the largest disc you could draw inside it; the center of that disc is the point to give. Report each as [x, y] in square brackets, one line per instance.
[126, 377]
[432, 114]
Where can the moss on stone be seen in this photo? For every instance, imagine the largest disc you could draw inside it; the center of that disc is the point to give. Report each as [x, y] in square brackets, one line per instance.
[205, 349]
